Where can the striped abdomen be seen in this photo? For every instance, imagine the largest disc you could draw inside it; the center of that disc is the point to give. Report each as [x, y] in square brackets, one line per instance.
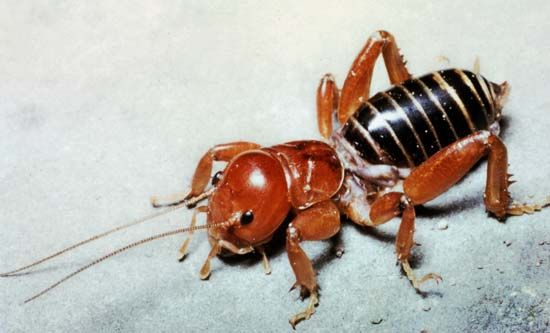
[408, 123]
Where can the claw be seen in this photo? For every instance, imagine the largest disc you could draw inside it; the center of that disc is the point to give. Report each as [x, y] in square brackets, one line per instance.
[417, 282]
[293, 286]
[265, 261]
[304, 292]
[307, 313]
[520, 209]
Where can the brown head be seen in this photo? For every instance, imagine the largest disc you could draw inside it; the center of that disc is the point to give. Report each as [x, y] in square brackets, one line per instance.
[253, 191]
[247, 204]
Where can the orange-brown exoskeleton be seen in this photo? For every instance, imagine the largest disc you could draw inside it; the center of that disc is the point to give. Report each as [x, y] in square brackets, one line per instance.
[389, 153]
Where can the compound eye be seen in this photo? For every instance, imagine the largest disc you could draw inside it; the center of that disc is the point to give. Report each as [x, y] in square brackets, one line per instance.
[217, 177]
[247, 217]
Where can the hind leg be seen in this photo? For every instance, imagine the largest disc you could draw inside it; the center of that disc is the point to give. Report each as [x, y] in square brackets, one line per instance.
[356, 87]
[328, 97]
[435, 176]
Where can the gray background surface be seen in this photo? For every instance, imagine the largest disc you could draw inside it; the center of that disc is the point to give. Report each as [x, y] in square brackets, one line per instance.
[104, 103]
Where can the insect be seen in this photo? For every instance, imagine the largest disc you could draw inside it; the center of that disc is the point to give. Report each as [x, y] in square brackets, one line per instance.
[391, 152]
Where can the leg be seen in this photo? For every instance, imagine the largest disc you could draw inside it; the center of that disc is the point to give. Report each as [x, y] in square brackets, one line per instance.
[389, 206]
[448, 166]
[185, 244]
[204, 273]
[321, 221]
[357, 85]
[327, 104]
[404, 244]
[362, 185]
[169, 200]
[222, 152]
[265, 261]
[518, 209]
[438, 174]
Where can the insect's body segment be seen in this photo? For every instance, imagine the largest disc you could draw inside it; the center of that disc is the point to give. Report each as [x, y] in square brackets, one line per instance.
[265, 185]
[398, 129]
[411, 121]
[294, 175]
[395, 150]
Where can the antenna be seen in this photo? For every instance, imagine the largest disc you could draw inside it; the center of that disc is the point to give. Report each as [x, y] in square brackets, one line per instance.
[183, 203]
[229, 222]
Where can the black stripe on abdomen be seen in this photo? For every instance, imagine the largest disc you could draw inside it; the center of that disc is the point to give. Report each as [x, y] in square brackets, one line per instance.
[475, 82]
[360, 143]
[436, 116]
[402, 131]
[379, 131]
[477, 112]
[417, 118]
[449, 105]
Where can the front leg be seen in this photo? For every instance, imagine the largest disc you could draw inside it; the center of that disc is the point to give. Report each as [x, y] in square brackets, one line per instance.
[222, 152]
[320, 221]
[185, 244]
[265, 260]
[217, 247]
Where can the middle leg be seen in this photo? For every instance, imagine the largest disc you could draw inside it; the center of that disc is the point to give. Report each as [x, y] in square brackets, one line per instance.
[389, 206]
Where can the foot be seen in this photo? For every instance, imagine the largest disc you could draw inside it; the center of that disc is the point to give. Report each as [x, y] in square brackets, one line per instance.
[520, 209]
[307, 313]
[204, 273]
[183, 249]
[412, 277]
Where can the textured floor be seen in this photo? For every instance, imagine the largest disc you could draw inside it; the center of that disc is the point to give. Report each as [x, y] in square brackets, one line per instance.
[103, 104]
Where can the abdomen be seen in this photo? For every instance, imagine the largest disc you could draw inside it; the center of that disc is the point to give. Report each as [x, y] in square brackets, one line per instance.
[408, 123]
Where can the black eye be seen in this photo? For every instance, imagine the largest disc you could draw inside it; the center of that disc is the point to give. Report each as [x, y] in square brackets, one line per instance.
[247, 217]
[217, 176]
